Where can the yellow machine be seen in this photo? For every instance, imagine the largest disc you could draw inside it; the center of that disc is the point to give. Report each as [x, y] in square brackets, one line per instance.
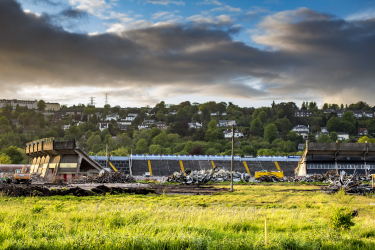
[279, 174]
[113, 167]
[20, 175]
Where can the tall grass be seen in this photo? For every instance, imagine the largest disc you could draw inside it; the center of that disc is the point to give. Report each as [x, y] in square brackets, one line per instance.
[296, 220]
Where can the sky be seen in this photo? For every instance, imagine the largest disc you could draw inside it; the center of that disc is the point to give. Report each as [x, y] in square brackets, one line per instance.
[141, 52]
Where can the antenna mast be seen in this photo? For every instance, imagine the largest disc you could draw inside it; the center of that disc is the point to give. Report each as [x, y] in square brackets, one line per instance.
[92, 102]
[106, 98]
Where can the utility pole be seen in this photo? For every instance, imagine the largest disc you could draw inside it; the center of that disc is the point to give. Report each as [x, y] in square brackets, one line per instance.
[106, 154]
[231, 161]
[131, 162]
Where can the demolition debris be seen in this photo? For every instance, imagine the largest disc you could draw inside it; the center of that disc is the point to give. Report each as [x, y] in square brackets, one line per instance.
[106, 177]
[205, 176]
[351, 184]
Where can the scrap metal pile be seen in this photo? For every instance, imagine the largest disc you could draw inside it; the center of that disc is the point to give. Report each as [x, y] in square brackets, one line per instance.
[106, 177]
[349, 183]
[204, 176]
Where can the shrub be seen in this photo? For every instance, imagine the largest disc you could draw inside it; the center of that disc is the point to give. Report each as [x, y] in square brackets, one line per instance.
[341, 218]
[37, 209]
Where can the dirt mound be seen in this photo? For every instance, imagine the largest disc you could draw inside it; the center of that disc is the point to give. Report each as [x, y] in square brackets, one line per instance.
[18, 191]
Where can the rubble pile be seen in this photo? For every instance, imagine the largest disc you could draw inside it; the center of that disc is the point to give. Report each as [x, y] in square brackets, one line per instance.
[269, 178]
[204, 176]
[351, 184]
[20, 191]
[106, 177]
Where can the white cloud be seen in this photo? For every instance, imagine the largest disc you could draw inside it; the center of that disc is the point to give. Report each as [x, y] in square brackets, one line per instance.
[213, 2]
[166, 15]
[362, 15]
[91, 6]
[227, 8]
[166, 2]
[27, 11]
[218, 20]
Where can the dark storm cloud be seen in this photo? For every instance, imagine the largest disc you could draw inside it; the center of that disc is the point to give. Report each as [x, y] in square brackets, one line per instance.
[310, 52]
[73, 13]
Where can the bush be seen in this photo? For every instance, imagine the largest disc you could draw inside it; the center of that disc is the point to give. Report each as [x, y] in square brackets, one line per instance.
[341, 218]
[37, 209]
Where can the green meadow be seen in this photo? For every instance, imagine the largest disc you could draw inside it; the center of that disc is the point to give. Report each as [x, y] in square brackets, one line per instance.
[298, 217]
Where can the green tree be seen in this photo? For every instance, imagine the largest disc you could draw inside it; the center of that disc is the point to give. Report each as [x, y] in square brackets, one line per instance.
[334, 124]
[123, 140]
[160, 116]
[270, 132]
[365, 138]
[324, 138]
[14, 153]
[256, 127]
[263, 116]
[93, 140]
[122, 151]
[213, 133]
[348, 116]
[160, 139]
[41, 105]
[156, 149]
[284, 126]
[5, 159]
[333, 136]
[141, 147]
[4, 121]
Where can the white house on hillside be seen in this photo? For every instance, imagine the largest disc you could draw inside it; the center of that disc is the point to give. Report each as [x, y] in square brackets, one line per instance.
[227, 123]
[302, 130]
[228, 133]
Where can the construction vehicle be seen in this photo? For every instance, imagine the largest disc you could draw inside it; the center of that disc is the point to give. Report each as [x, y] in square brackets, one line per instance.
[108, 156]
[21, 176]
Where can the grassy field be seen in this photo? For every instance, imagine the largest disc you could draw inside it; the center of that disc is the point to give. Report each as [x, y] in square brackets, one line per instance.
[297, 218]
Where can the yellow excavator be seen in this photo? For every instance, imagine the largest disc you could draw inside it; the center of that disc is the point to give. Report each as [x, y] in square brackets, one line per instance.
[21, 176]
[108, 156]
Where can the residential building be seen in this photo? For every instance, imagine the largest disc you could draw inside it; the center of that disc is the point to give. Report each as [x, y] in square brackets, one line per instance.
[113, 116]
[368, 114]
[323, 131]
[362, 131]
[358, 113]
[302, 113]
[143, 126]
[328, 111]
[103, 125]
[133, 114]
[149, 122]
[52, 106]
[125, 123]
[65, 127]
[340, 113]
[301, 146]
[342, 136]
[173, 113]
[56, 118]
[195, 125]
[302, 130]
[122, 126]
[130, 118]
[227, 123]
[161, 125]
[228, 133]
[21, 103]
